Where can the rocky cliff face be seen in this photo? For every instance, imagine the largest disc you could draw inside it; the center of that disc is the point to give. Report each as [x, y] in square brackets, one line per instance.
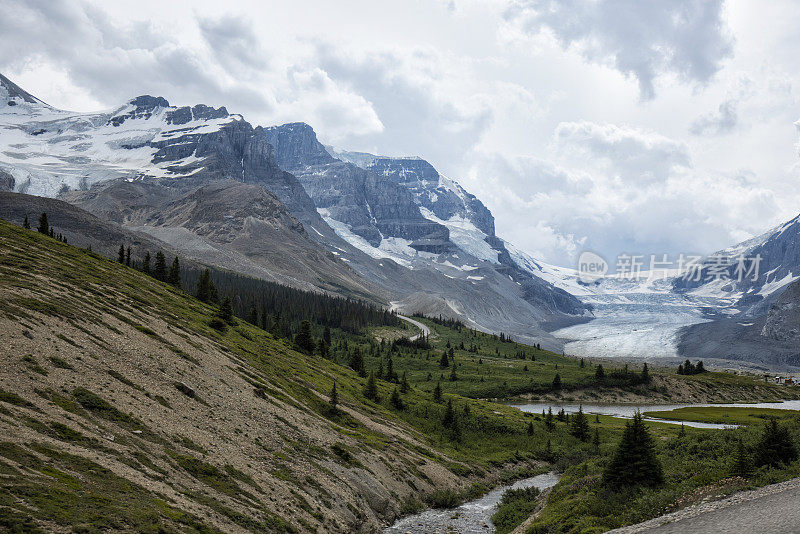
[373, 206]
[783, 319]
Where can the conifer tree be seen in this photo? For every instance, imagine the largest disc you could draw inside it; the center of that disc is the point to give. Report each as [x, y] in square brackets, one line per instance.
[437, 392]
[322, 348]
[356, 361]
[742, 462]
[596, 440]
[44, 225]
[121, 254]
[395, 399]
[444, 361]
[333, 400]
[453, 376]
[252, 316]
[226, 311]
[635, 462]
[128, 256]
[160, 269]
[174, 277]
[557, 382]
[326, 335]
[600, 373]
[449, 418]
[404, 387]
[371, 388]
[580, 425]
[203, 292]
[303, 338]
[26, 223]
[645, 378]
[530, 428]
[548, 420]
[146, 263]
[390, 374]
[775, 447]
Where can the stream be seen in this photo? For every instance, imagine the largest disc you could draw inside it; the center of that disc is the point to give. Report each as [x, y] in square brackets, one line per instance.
[473, 517]
[626, 411]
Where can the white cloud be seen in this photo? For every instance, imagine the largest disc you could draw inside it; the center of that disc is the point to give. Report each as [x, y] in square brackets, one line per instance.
[721, 122]
[687, 38]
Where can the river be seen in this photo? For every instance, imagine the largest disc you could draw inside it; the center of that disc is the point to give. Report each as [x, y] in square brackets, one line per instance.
[626, 411]
[473, 517]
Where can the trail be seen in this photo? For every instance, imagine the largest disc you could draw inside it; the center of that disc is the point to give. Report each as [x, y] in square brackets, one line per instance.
[424, 329]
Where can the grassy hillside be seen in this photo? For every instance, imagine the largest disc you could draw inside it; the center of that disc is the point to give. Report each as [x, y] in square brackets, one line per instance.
[126, 405]
[114, 387]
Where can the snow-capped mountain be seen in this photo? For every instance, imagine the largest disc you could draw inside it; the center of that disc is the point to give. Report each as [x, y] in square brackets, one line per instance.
[217, 189]
[402, 209]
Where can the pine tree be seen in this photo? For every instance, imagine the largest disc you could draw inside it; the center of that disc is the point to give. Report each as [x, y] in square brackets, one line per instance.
[356, 361]
[326, 335]
[580, 425]
[44, 225]
[645, 378]
[322, 347]
[742, 462]
[333, 400]
[775, 447]
[146, 263]
[303, 339]
[226, 311]
[699, 368]
[599, 373]
[390, 374]
[160, 269]
[583, 363]
[453, 376]
[449, 418]
[444, 361]
[395, 399]
[530, 428]
[128, 256]
[203, 292]
[548, 420]
[371, 389]
[121, 254]
[252, 315]
[557, 382]
[635, 461]
[26, 223]
[437, 392]
[174, 277]
[404, 387]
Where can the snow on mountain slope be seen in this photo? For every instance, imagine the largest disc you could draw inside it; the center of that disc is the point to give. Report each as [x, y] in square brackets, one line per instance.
[48, 151]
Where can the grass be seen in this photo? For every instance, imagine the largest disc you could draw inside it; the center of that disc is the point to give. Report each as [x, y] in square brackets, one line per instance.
[723, 415]
[515, 506]
[72, 491]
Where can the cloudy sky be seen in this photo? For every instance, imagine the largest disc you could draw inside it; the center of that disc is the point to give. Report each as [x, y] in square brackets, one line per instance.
[619, 126]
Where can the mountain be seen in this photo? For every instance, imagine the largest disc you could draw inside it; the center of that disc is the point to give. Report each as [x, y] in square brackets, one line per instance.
[403, 210]
[733, 272]
[274, 203]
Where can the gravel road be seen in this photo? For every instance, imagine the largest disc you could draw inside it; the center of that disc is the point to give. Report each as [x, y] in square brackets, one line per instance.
[425, 330]
[769, 510]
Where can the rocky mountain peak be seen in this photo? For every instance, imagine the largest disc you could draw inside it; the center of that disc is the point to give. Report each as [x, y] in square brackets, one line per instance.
[12, 94]
[296, 145]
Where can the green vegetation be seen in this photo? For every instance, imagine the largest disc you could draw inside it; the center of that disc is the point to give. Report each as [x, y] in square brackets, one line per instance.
[515, 506]
[432, 389]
